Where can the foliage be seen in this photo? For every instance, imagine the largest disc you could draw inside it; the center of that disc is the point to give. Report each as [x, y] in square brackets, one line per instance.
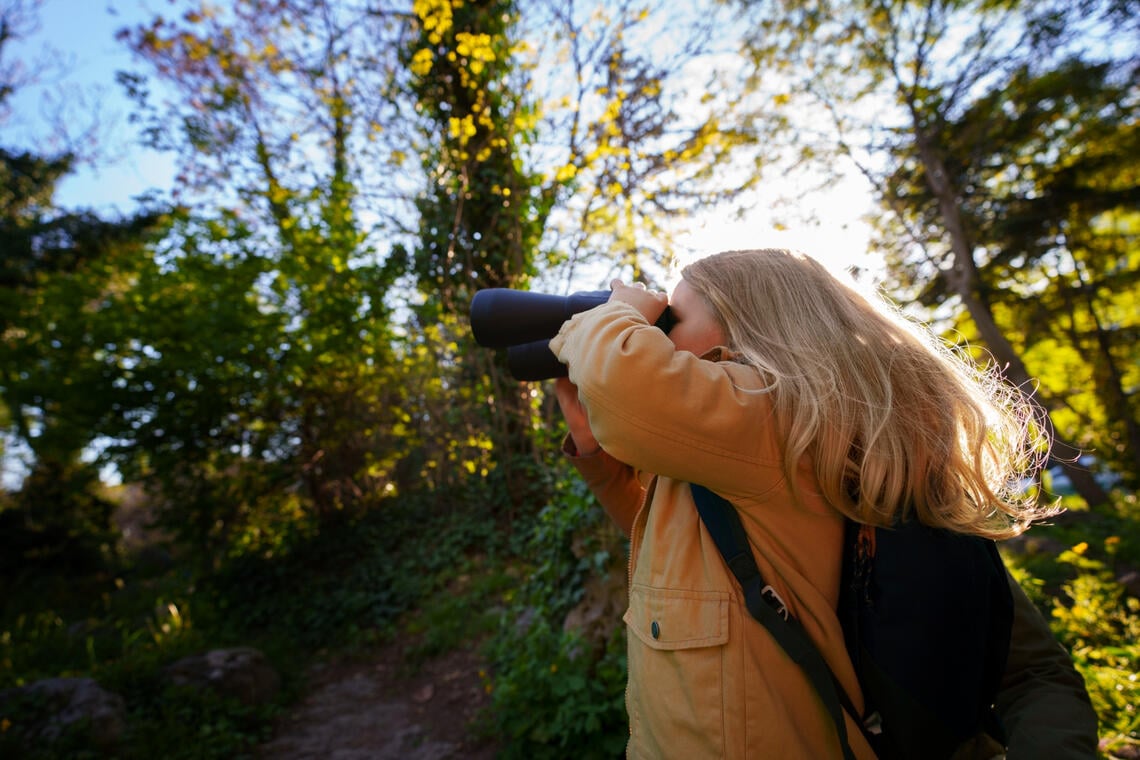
[462, 613]
[351, 580]
[192, 725]
[236, 380]
[1060, 238]
[1091, 612]
[552, 690]
[344, 587]
[56, 271]
[287, 287]
[58, 625]
[270, 103]
[550, 698]
[942, 107]
[58, 521]
[1102, 627]
[641, 126]
[480, 220]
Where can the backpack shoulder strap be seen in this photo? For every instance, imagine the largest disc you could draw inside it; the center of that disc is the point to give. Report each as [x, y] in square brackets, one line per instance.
[723, 524]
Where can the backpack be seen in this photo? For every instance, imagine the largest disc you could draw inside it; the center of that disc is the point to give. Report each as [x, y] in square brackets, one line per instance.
[926, 616]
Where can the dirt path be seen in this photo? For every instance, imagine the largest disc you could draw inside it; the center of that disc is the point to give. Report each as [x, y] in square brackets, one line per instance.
[375, 709]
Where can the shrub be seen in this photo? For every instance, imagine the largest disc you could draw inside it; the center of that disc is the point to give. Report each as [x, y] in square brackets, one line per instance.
[554, 693]
[1101, 628]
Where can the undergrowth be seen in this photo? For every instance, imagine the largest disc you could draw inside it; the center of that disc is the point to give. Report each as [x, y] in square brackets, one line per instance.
[554, 692]
[1090, 612]
[455, 578]
[340, 589]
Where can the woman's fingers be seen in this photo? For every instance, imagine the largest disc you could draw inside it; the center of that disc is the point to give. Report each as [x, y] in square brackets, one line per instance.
[650, 303]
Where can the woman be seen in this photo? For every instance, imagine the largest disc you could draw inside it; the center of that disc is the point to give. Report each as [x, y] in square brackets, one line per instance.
[802, 401]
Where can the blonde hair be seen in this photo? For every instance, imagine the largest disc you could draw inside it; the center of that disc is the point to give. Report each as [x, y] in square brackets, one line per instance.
[895, 422]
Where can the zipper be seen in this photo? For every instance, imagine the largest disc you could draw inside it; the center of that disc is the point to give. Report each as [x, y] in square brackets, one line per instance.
[636, 529]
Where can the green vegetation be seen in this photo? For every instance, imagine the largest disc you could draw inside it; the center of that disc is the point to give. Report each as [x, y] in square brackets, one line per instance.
[273, 354]
[457, 579]
[339, 590]
[558, 691]
[1091, 613]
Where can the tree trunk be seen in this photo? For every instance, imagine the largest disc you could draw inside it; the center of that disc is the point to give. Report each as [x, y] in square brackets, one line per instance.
[1117, 401]
[962, 279]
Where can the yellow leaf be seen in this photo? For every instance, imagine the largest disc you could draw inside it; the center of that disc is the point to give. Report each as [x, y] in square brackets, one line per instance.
[422, 62]
[566, 173]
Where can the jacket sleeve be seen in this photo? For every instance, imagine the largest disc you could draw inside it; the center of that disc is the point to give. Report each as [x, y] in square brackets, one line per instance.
[1043, 701]
[615, 485]
[665, 411]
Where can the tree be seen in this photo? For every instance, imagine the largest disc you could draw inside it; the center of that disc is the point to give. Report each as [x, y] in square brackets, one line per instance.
[552, 142]
[917, 67]
[643, 125]
[1053, 210]
[296, 368]
[480, 218]
[57, 269]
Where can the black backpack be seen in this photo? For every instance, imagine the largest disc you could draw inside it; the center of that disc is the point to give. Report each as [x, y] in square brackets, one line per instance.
[926, 614]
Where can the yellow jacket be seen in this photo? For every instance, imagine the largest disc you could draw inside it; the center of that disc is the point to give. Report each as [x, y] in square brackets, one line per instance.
[705, 679]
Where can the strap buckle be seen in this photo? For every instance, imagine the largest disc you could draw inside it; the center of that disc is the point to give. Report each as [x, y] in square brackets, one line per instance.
[774, 601]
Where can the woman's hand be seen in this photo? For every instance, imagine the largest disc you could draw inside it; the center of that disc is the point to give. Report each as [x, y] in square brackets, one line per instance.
[650, 303]
[567, 394]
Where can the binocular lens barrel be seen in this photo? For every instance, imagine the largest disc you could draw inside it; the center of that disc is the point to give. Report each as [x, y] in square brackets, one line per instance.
[501, 317]
[524, 322]
[534, 361]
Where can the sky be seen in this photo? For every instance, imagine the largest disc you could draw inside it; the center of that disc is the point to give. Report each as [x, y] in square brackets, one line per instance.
[81, 33]
[79, 37]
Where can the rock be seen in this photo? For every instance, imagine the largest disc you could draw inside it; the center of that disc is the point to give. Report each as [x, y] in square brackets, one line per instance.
[1131, 582]
[604, 600]
[1033, 545]
[242, 673]
[44, 711]
[424, 694]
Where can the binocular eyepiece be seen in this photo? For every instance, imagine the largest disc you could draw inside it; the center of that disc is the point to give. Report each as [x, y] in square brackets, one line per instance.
[523, 323]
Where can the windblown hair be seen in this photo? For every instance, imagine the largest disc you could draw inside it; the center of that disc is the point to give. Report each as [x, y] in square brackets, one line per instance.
[895, 421]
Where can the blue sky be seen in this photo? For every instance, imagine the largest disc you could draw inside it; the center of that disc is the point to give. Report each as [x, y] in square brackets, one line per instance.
[79, 35]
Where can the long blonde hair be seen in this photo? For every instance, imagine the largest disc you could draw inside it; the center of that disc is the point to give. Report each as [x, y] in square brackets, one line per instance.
[895, 422]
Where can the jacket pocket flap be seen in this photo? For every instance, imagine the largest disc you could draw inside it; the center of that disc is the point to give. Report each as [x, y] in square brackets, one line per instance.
[676, 619]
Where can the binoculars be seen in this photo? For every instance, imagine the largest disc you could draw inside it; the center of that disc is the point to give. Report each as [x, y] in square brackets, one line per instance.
[523, 323]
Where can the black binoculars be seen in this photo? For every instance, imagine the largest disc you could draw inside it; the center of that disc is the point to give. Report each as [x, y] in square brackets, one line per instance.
[523, 323]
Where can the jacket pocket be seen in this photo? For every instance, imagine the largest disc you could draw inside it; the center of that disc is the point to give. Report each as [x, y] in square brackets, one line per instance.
[675, 619]
[677, 672]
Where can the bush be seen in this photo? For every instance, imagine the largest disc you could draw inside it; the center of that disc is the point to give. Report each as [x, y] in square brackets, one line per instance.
[351, 581]
[1091, 613]
[337, 588]
[553, 692]
[553, 697]
[1101, 628]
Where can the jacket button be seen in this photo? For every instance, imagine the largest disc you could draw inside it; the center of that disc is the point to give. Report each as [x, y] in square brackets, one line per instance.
[655, 629]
